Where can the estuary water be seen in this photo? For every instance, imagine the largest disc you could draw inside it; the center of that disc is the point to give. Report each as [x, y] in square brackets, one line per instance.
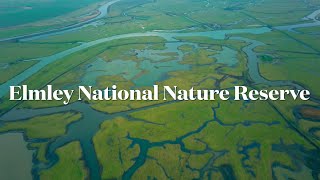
[15, 158]
[103, 11]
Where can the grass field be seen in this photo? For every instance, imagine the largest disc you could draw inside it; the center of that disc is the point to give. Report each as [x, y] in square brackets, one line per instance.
[43, 127]
[70, 163]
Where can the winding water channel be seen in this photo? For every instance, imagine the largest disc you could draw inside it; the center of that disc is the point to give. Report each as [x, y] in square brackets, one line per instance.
[168, 36]
[312, 17]
[84, 129]
[103, 12]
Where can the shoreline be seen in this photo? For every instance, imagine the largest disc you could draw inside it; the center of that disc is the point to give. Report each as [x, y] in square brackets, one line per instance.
[64, 28]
